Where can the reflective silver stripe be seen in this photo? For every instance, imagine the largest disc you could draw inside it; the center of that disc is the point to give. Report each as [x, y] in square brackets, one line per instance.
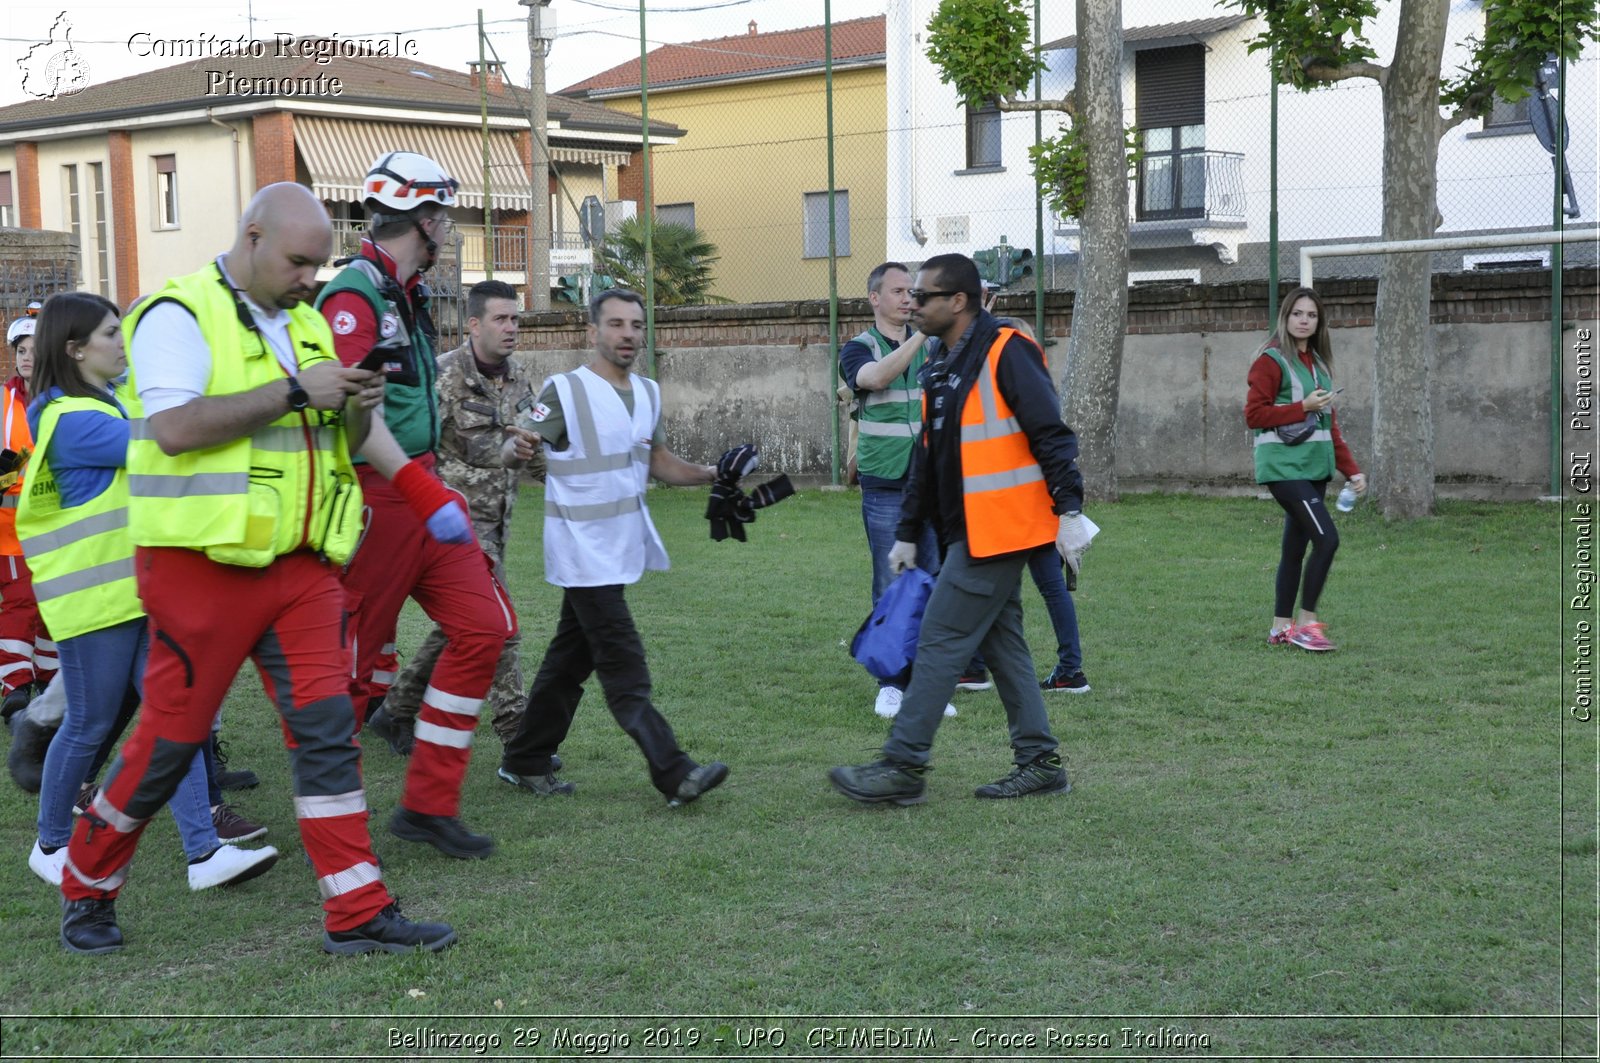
[1008, 426]
[146, 485]
[113, 881]
[18, 666]
[77, 531]
[18, 646]
[454, 704]
[9, 501]
[996, 481]
[597, 463]
[442, 736]
[139, 428]
[330, 805]
[283, 439]
[896, 429]
[1269, 437]
[893, 395]
[594, 511]
[113, 816]
[383, 677]
[585, 416]
[348, 881]
[84, 579]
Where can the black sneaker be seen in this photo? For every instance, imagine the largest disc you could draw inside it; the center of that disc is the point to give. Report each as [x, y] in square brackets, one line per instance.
[398, 733]
[29, 742]
[16, 700]
[445, 833]
[976, 680]
[1041, 775]
[699, 782]
[1061, 679]
[389, 931]
[882, 781]
[546, 785]
[90, 926]
[243, 779]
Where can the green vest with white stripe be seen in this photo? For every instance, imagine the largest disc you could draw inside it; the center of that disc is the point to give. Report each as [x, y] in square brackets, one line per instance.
[80, 556]
[891, 418]
[1311, 460]
[287, 486]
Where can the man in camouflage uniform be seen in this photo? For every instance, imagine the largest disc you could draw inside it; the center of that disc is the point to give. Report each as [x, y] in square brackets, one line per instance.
[482, 394]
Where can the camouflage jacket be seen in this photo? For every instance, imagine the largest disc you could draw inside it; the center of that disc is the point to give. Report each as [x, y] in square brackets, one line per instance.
[473, 414]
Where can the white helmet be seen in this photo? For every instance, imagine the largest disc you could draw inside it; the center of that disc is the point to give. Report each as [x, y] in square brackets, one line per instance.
[22, 326]
[404, 180]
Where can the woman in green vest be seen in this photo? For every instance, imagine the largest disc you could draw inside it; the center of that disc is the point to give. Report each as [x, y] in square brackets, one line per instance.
[73, 523]
[1291, 379]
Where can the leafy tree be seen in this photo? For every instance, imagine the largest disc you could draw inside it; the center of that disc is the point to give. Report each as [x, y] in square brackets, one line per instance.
[1315, 42]
[984, 48]
[683, 261]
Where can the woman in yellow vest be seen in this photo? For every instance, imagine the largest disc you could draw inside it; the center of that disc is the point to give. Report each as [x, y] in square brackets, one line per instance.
[73, 523]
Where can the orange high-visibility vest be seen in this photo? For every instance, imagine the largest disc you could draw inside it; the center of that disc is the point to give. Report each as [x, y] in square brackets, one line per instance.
[1005, 500]
[17, 437]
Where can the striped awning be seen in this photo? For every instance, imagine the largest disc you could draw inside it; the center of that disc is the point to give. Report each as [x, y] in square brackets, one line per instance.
[338, 152]
[560, 153]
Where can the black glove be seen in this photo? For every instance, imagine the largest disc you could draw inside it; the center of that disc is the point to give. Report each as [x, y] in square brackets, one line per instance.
[773, 491]
[738, 462]
[723, 511]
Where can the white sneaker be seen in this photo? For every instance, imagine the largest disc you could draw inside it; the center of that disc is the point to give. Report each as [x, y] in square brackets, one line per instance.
[888, 703]
[48, 866]
[949, 711]
[230, 865]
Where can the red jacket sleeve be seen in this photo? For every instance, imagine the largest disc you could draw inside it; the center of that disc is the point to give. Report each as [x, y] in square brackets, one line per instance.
[354, 325]
[1259, 410]
[1342, 457]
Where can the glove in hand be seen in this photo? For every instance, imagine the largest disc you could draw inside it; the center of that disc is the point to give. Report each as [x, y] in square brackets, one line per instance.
[739, 462]
[449, 524]
[902, 556]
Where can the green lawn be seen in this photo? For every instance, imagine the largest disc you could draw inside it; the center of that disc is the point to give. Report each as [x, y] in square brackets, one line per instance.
[1266, 852]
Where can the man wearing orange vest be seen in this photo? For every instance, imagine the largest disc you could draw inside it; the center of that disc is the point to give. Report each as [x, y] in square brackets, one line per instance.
[27, 656]
[995, 470]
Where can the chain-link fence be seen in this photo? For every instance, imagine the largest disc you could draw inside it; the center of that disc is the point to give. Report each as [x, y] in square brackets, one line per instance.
[768, 127]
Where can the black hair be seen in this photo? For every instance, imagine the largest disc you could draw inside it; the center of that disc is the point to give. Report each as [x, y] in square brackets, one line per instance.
[957, 273]
[67, 318]
[600, 298]
[479, 295]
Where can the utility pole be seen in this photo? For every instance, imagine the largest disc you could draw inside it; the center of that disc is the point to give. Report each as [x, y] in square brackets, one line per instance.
[538, 120]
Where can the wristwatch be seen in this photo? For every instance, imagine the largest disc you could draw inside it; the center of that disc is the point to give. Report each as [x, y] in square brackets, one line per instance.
[298, 399]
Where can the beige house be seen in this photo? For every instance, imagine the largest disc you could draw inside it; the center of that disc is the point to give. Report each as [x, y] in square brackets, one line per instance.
[752, 170]
[150, 172]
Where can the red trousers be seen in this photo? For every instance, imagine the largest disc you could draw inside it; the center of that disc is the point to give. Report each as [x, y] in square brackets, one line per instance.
[205, 619]
[26, 652]
[457, 588]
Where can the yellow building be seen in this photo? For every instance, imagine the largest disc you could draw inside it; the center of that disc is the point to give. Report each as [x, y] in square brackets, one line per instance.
[751, 171]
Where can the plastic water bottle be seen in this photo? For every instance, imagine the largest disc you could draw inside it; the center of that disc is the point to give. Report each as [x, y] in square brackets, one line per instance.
[1347, 499]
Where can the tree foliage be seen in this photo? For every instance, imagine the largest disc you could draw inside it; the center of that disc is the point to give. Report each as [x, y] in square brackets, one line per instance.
[984, 48]
[683, 260]
[1518, 35]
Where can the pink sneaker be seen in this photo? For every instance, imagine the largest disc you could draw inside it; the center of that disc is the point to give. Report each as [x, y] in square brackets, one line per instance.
[1280, 637]
[1311, 637]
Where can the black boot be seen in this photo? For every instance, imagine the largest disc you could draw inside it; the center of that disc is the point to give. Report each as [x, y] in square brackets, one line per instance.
[90, 926]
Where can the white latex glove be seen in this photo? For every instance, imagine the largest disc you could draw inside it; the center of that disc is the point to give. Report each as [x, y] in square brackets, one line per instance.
[901, 557]
[1072, 539]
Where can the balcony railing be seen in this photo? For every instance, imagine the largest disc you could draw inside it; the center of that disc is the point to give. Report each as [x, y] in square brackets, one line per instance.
[469, 247]
[1199, 188]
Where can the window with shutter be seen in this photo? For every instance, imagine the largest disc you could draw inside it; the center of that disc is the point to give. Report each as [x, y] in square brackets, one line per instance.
[1170, 110]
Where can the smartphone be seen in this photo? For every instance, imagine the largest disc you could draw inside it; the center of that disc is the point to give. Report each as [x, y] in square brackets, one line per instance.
[374, 361]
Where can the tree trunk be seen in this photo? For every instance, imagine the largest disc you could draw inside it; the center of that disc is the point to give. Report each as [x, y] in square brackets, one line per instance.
[1100, 307]
[1402, 411]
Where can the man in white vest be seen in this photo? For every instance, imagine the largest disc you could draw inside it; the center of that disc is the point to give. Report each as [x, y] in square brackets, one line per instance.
[601, 430]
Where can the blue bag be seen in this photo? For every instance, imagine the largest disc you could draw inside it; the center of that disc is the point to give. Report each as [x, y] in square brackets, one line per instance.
[886, 644]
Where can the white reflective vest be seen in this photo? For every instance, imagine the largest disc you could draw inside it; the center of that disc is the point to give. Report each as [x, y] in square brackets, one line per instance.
[597, 528]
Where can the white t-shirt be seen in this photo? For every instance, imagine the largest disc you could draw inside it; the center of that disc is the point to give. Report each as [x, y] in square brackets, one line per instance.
[172, 361]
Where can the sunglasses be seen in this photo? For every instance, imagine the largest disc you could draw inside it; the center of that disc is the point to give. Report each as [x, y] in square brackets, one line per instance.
[920, 296]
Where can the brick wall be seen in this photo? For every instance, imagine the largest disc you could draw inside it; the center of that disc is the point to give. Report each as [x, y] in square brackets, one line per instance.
[630, 179]
[29, 214]
[766, 372]
[273, 134]
[124, 217]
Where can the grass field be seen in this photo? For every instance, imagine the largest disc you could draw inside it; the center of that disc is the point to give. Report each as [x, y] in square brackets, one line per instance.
[1383, 852]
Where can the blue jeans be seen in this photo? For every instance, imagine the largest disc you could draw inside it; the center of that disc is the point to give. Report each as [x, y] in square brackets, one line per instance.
[99, 669]
[1044, 564]
[880, 512]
